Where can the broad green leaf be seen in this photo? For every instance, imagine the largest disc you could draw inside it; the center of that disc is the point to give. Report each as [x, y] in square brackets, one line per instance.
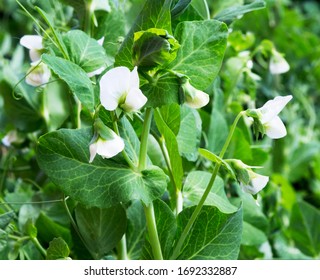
[164, 90]
[85, 51]
[300, 158]
[203, 44]
[101, 229]
[6, 218]
[232, 13]
[220, 5]
[136, 229]
[112, 26]
[218, 131]
[48, 229]
[251, 236]
[201, 7]
[239, 147]
[58, 249]
[132, 143]
[179, 8]
[172, 147]
[285, 249]
[155, 14]
[195, 185]
[166, 227]
[75, 77]
[214, 235]
[171, 116]
[304, 228]
[64, 156]
[190, 133]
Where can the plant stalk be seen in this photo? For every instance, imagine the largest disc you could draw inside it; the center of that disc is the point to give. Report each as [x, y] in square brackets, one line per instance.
[196, 212]
[148, 209]
[122, 249]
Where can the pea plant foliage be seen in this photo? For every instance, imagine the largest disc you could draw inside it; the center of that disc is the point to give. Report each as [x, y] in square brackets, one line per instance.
[140, 144]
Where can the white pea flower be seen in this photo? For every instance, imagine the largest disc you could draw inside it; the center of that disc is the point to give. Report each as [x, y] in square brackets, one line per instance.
[34, 44]
[102, 5]
[250, 181]
[278, 65]
[256, 184]
[39, 74]
[268, 116]
[105, 142]
[120, 88]
[193, 97]
[10, 138]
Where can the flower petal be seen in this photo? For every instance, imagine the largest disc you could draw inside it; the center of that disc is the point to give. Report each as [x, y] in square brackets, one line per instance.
[35, 55]
[39, 74]
[93, 151]
[258, 182]
[135, 100]
[110, 148]
[32, 42]
[278, 65]
[200, 99]
[275, 128]
[134, 78]
[96, 72]
[273, 107]
[114, 85]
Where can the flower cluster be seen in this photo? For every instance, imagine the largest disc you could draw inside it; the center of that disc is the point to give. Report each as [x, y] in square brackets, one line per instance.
[119, 89]
[39, 73]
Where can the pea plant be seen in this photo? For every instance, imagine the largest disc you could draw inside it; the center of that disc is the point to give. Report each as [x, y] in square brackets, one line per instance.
[138, 130]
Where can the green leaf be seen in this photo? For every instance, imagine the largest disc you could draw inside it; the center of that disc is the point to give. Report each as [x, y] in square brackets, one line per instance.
[155, 14]
[179, 8]
[214, 235]
[190, 133]
[132, 143]
[166, 227]
[112, 26]
[101, 229]
[6, 218]
[164, 90]
[4, 245]
[304, 228]
[195, 185]
[48, 229]
[172, 147]
[214, 158]
[85, 51]
[75, 77]
[58, 249]
[220, 5]
[218, 131]
[232, 13]
[136, 229]
[251, 236]
[203, 44]
[202, 8]
[239, 147]
[64, 156]
[171, 116]
[78, 5]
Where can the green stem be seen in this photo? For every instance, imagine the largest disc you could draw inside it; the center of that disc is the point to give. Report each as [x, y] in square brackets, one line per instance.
[148, 209]
[152, 230]
[196, 212]
[39, 246]
[124, 153]
[144, 139]
[87, 19]
[122, 249]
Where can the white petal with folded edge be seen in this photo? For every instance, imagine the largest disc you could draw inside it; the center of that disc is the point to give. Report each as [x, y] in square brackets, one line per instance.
[257, 183]
[110, 148]
[275, 129]
[134, 78]
[135, 100]
[32, 42]
[273, 107]
[200, 100]
[113, 85]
